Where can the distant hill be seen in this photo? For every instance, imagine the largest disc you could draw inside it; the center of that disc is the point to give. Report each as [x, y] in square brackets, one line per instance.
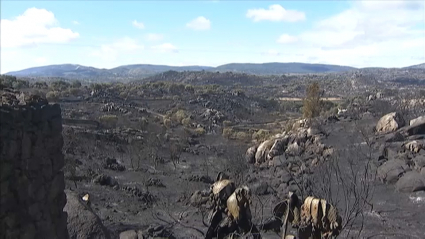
[419, 66]
[64, 70]
[79, 71]
[146, 70]
[282, 68]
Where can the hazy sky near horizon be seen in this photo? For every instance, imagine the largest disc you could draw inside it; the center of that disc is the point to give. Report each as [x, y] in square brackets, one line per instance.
[108, 34]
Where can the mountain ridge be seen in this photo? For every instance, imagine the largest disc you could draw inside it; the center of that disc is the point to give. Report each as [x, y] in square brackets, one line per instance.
[146, 70]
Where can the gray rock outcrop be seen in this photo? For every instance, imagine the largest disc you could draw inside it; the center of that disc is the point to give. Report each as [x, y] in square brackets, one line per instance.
[82, 221]
[31, 162]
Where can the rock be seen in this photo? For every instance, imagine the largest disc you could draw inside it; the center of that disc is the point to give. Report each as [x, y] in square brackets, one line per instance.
[394, 137]
[140, 235]
[414, 146]
[105, 180]
[293, 149]
[390, 123]
[419, 161]
[82, 221]
[417, 128]
[391, 170]
[328, 152]
[260, 188]
[198, 199]
[130, 234]
[278, 147]
[113, 164]
[423, 171]
[250, 154]
[312, 131]
[262, 151]
[419, 120]
[155, 182]
[411, 182]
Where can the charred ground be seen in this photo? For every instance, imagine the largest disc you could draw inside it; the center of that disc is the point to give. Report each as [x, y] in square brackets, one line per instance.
[141, 149]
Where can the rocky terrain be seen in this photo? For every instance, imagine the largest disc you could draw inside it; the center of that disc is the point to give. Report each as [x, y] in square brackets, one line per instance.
[139, 156]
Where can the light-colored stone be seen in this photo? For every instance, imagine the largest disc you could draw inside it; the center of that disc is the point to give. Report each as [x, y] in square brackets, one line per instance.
[414, 146]
[390, 123]
[130, 234]
[262, 151]
[419, 120]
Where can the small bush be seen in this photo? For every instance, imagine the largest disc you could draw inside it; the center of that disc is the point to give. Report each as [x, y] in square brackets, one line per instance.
[167, 123]
[109, 120]
[227, 132]
[180, 115]
[200, 131]
[241, 136]
[261, 135]
[52, 96]
[227, 123]
[186, 121]
[143, 123]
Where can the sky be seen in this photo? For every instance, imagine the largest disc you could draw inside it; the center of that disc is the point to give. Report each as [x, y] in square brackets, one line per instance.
[107, 34]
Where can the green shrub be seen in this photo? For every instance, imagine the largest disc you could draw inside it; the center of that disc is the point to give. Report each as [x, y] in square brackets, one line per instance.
[241, 136]
[52, 96]
[227, 132]
[200, 131]
[109, 121]
[180, 115]
[186, 121]
[261, 135]
[227, 123]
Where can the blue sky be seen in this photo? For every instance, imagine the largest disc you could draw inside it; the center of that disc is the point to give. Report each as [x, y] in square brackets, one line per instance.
[107, 34]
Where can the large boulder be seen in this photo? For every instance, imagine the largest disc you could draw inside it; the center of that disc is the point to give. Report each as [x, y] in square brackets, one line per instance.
[278, 147]
[419, 161]
[419, 120]
[390, 171]
[82, 221]
[417, 128]
[390, 123]
[294, 149]
[250, 154]
[414, 146]
[262, 151]
[411, 182]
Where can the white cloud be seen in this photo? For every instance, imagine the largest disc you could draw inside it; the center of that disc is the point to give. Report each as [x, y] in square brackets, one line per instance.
[286, 39]
[35, 26]
[75, 22]
[124, 46]
[154, 37]
[275, 13]
[199, 23]
[363, 36]
[166, 47]
[138, 25]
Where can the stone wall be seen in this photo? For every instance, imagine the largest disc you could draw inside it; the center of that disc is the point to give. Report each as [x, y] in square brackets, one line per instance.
[31, 162]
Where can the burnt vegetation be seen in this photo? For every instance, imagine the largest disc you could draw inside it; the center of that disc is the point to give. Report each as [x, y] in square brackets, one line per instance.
[147, 150]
